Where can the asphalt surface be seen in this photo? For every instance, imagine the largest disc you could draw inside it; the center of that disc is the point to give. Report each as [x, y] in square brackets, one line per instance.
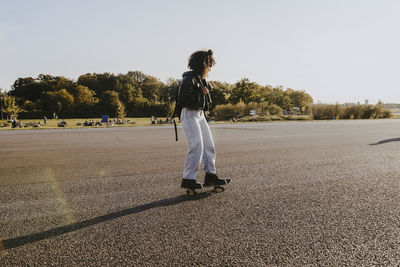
[303, 194]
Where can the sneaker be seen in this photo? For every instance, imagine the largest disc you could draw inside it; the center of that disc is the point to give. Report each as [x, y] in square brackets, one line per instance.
[191, 184]
[212, 179]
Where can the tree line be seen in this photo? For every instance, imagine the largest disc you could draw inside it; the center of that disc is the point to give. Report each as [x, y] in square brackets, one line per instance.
[133, 94]
[327, 112]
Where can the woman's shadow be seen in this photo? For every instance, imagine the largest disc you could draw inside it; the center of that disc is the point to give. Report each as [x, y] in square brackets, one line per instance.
[31, 238]
[386, 141]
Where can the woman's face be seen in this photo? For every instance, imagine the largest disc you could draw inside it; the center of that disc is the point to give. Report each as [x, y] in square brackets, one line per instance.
[206, 70]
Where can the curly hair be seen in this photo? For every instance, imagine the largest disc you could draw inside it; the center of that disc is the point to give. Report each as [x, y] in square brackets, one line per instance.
[201, 59]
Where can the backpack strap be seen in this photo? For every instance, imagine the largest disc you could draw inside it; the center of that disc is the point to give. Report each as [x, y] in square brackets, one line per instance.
[176, 130]
[176, 111]
[208, 96]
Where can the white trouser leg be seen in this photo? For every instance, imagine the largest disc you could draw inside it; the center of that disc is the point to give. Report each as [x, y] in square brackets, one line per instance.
[201, 144]
[208, 147]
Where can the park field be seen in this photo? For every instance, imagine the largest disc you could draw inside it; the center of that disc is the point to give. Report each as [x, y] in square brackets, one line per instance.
[78, 123]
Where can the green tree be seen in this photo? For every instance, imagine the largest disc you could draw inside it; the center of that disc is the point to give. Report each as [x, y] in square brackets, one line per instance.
[378, 111]
[151, 88]
[126, 88]
[29, 105]
[279, 97]
[60, 101]
[275, 110]
[98, 82]
[30, 89]
[26, 89]
[300, 99]
[138, 77]
[169, 90]
[9, 105]
[90, 81]
[140, 95]
[244, 91]
[84, 96]
[263, 93]
[112, 105]
[49, 83]
[219, 93]
[127, 93]
[2, 95]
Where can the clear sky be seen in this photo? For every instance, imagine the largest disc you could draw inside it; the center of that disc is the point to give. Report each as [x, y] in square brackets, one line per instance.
[336, 50]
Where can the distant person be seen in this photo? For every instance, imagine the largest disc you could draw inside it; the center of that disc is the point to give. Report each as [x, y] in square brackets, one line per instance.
[194, 98]
[153, 120]
[44, 120]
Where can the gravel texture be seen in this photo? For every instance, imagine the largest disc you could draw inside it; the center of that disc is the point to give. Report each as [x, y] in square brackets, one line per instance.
[303, 194]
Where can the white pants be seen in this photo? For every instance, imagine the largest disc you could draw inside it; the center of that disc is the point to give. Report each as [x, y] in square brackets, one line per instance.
[201, 144]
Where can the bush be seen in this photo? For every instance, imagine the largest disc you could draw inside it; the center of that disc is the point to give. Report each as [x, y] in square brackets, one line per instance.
[240, 109]
[224, 112]
[387, 114]
[326, 112]
[358, 112]
[260, 118]
[275, 110]
[298, 117]
[380, 113]
[229, 111]
[350, 113]
[367, 112]
[252, 106]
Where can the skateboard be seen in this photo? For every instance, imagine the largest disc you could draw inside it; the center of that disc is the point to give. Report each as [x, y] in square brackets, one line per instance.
[217, 188]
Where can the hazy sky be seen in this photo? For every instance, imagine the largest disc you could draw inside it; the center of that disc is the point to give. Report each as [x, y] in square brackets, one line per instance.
[336, 50]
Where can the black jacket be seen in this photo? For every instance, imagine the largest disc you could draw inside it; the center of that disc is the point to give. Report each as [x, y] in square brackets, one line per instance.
[190, 92]
[190, 95]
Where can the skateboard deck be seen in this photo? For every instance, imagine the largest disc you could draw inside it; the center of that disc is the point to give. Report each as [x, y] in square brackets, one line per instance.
[217, 188]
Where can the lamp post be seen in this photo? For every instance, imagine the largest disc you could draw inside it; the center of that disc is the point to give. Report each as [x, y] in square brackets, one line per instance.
[1, 104]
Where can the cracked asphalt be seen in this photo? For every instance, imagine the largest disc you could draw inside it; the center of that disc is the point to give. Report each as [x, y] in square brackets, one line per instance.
[303, 194]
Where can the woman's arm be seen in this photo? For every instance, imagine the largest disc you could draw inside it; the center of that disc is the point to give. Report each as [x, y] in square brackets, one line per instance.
[189, 93]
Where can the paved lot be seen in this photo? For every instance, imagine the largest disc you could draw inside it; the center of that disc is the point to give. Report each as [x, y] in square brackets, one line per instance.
[303, 193]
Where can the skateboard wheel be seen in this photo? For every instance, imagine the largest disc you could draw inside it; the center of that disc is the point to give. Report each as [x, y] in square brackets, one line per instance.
[219, 188]
[191, 192]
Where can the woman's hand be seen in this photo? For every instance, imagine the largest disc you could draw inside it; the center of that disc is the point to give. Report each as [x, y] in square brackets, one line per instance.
[205, 91]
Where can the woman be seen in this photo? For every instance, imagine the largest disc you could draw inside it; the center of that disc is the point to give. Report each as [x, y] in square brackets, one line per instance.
[194, 98]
